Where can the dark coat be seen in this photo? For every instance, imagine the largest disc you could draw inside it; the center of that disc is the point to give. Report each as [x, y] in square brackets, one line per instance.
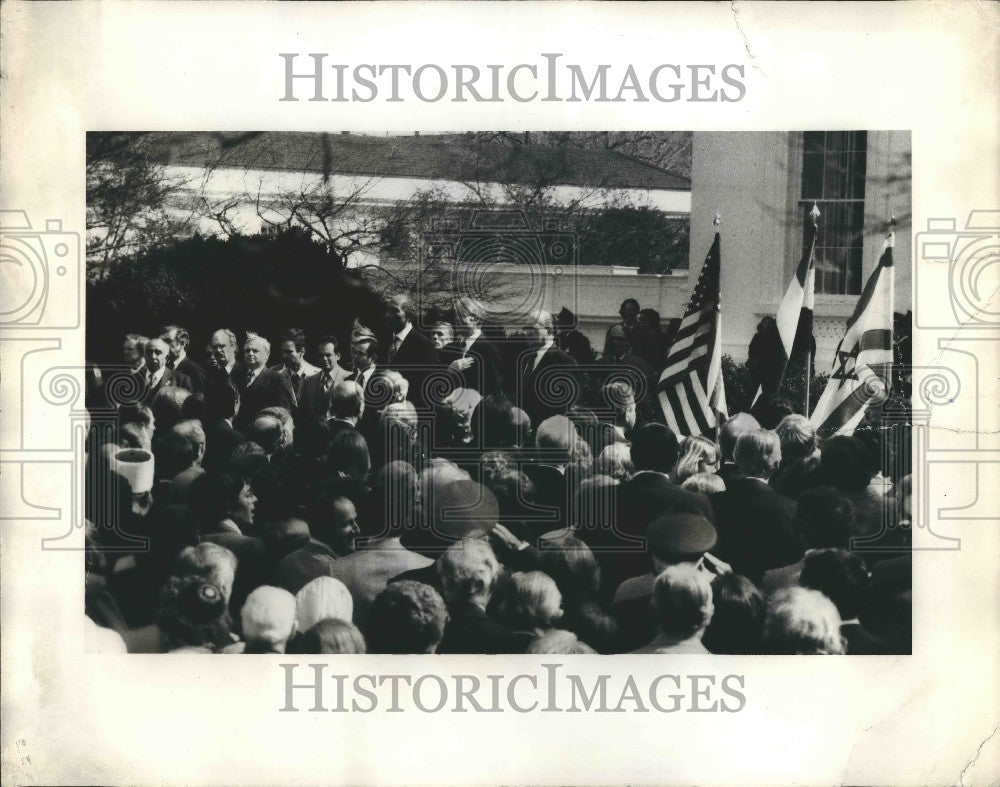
[471, 630]
[269, 389]
[536, 383]
[170, 379]
[415, 359]
[194, 373]
[314, 402]
[756, 528]
[485, 374]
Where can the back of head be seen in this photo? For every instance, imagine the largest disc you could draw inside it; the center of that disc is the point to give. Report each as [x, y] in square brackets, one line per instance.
[797, 436]
[801, 621]
[682, 600]
[346, 399]
[322, 598]
[469, 570]
[704, 483]
[738, 621]
[654, 447]
[267, 432]
[615, 461]
[173, 454]
[824, 517]
[845, 464]
[406, 617]
[167, 406]
[840, 576]
[531, 600]
[212, 562]
[558, 435]
[328, 636]
[731, 431]
[571, 563]
[348, 454]
[267, 618]
[757, 453]
[221, 398]
[696, 455]
[558, 642]
[494, 419]
[194, 407]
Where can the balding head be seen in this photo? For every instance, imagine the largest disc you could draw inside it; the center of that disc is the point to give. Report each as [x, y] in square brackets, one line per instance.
[156, 354]
[346, 399]
[741, 423]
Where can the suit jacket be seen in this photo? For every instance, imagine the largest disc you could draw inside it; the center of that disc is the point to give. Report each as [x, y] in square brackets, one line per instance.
[269, 389]
[639, 501]
[170, 379]
[470, 630]
[220, 440]
[368, 425]
[367, 572]
[756, 528]
[314, 402]
[297, 381]
[194, 373]
[415, 359]
[485, 374]
[533, 381]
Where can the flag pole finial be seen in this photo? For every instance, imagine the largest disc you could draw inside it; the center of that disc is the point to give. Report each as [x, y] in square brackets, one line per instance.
[717, 220]
[815, 214]
[890, 225]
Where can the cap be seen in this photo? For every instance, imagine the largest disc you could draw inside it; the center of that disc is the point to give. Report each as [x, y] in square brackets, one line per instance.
[462, 509]
[674, 535]
[324, 597]
[268, 615]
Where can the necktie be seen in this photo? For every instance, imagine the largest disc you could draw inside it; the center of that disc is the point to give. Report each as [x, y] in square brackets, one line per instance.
[249, 377]
[170, 363]
[327, 382]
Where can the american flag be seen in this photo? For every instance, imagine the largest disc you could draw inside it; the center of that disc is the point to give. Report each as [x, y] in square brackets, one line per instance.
[690, 390]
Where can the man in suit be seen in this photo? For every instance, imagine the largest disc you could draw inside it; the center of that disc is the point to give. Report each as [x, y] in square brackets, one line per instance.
[134, 351]
[672, 538]
[539, 374]
[410, 353]
[223, 349]
[178, 340]
[293, 357]
[469, 573]
[314, 396]
[472, 358]
[261, 387]
[364, 352]
[154, 376]
[346, 404]
[739, 424]
[756, 524]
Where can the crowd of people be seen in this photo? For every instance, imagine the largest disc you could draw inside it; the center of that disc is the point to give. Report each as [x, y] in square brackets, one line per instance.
[439, 485]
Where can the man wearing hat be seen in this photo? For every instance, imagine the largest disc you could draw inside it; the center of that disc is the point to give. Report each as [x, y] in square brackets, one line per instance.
[456, 510]
[671, 538]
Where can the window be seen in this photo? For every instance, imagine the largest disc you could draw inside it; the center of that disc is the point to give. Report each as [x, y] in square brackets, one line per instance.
[833, 176]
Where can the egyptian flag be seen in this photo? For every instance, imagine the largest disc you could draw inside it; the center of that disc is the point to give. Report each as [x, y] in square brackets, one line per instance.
[862, 368]
[691, 390]
[795, 316]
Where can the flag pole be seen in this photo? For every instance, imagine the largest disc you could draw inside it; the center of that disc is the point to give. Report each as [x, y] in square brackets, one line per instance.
[814, 214]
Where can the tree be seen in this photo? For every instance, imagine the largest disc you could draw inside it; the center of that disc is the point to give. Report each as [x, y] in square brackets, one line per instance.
[127, 195]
